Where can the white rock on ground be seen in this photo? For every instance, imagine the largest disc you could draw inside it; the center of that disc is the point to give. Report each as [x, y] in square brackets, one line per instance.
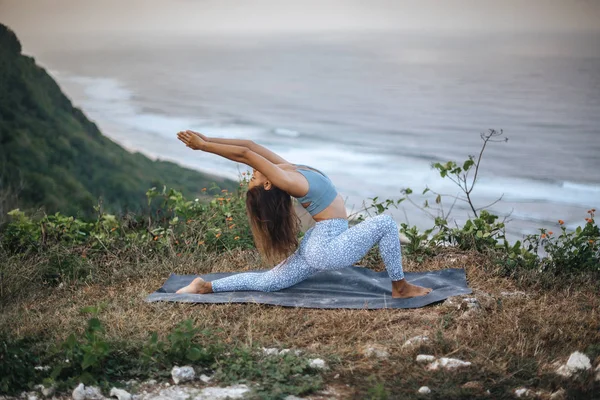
[82, 392]
[376, 351]
[577, 362]
[32, 396]
[185, 393]
[45, 391]
[317, 363]
[120, 394]
[415, 341]
[447, 363]
[205, 378]
[424, 390]
[230, 392]
[597, 377]
[183, 374]
[421, 358]
[471, 302]
[271, 351]
[48, 391]
[523, 392]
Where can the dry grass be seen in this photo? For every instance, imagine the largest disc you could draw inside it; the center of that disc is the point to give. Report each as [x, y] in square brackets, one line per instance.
[509, 340]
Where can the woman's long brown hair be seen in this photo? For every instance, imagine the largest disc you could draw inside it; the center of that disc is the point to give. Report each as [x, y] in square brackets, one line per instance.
[274, 223]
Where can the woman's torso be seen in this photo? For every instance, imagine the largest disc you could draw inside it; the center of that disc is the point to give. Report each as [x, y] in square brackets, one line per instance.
[337, 208]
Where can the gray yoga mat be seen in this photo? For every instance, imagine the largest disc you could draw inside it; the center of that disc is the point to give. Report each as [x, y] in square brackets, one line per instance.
[351, 287]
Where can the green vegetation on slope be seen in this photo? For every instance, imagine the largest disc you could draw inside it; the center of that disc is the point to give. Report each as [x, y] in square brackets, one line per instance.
[52, 156]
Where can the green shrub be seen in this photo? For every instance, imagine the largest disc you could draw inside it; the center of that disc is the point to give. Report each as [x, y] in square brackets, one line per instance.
[273, 377]
[567, 252]
[17, 365]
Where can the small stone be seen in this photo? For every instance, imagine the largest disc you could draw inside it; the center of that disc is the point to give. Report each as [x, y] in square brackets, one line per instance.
[271, 351]
[230, 392]
[48, 391]
[82, 392]
[336, 376]
[205, 378]
[577, 362]
[448, 364]
[131, 383]
[32, 396]
[471, 302]
[422, 358]
[597, 377]
[560, 394]
[150, 382]
[317, 363]
[424, 390]
[415, 341]
[473, 385]
[120, 394]
[183, 374]
[523, 392]
[45, 391]
[376, 351]
[42, 368]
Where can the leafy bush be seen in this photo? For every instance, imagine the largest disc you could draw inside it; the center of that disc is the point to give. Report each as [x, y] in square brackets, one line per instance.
[274, 377]
[83, 359]
[182, 346]
[567, 252]
[17, 364]
[69, 248]
[484, 232]
[90, 358]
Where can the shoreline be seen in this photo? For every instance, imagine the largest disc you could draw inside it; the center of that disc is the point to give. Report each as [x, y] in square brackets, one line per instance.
[530, 213]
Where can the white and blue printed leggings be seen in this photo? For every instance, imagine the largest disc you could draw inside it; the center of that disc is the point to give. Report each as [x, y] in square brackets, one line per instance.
[328, 245]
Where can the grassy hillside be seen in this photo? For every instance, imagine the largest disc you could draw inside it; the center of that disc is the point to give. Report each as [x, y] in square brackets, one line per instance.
[72, 298]
[52, 156]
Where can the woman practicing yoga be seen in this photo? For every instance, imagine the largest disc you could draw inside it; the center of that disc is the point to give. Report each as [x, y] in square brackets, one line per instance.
[329, 244]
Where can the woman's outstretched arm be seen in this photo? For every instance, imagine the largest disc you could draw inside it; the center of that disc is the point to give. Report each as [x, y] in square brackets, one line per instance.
[291, 183]
[255, 147]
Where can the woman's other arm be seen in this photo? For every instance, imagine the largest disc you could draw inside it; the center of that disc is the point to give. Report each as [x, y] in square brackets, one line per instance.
[249, 144]
[291, 183]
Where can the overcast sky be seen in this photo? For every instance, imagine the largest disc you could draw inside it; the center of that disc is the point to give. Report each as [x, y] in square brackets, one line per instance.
[34, 17]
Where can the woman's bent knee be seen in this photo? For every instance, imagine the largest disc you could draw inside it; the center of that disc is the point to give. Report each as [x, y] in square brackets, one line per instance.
[387, 221]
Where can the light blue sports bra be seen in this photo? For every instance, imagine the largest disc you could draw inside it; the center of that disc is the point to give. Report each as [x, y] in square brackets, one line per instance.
[321, 191]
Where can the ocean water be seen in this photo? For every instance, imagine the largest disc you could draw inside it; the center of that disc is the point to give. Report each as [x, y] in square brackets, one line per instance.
[373, 111]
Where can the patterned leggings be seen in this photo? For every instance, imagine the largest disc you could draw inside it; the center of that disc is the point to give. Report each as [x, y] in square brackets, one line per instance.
[328, 245]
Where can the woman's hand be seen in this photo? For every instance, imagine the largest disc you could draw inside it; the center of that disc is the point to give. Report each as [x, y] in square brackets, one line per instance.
[193, 140]
[202, 136]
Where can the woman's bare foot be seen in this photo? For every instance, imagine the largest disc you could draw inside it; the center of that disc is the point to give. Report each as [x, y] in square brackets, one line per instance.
[403, 290]
[198, 286]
